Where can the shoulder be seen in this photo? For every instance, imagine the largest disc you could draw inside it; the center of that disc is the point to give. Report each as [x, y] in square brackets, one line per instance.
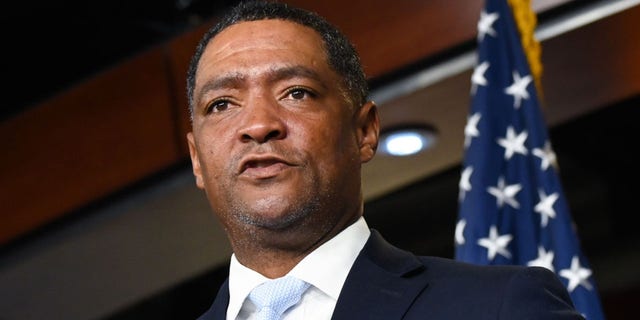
[453, 269]
[512, 292]
[460, 290]
[446, 275]
[500, 279]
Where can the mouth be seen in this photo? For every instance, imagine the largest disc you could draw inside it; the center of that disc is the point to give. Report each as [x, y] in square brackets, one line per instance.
[263, 167]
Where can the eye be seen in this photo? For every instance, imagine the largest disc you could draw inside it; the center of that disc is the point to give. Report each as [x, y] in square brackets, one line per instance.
[298, 93]
[217, 106]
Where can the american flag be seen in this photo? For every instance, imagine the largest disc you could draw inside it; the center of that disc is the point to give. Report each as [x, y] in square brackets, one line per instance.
[512, 208]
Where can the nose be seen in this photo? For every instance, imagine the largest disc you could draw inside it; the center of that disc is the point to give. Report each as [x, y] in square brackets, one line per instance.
[262, 121]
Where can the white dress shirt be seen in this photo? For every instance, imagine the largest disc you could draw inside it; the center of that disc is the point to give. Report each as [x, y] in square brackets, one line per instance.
[326, 269]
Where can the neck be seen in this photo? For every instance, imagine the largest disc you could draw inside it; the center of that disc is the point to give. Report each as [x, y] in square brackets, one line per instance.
[274, 253]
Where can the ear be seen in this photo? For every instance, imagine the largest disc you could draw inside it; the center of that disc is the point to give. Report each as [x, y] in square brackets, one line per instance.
[368, 129]
[195, 161]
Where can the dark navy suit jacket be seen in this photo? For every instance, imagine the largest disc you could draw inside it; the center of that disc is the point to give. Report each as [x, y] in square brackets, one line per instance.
[388, 283]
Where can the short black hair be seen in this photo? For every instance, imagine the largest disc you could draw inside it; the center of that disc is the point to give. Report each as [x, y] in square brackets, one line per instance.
[341, 54]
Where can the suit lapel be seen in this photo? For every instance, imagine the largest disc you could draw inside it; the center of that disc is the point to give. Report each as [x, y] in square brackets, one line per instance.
[218, 309]
[382, 284]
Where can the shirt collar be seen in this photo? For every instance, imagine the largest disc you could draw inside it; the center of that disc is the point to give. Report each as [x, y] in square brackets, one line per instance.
[241, 281]
[326, 267]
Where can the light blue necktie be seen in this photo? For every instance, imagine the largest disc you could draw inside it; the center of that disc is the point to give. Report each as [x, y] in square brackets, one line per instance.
[274, 297]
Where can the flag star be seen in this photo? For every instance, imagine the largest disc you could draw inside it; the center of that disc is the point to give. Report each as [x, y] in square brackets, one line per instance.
[485, 24]
[519, 88]
[496, 243]
[544, 259]
[478, 79]
[505, 193]
[460, 231]
[471, 128]
[547, 156]
[465, 182]
[545, 206]
[577, 275]
[512, 143]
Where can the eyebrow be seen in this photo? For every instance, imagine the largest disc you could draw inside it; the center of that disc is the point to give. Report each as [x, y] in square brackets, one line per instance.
[233, 80]
[290, 72]
[237, 80]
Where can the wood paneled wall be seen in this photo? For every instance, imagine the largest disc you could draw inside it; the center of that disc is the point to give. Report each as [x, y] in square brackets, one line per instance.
[85, 143]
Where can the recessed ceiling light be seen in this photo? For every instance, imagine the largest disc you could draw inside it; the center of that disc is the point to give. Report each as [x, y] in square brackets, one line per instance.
[406, 140]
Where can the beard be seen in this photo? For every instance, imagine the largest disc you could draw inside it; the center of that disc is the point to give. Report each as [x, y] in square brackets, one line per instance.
[277, 213]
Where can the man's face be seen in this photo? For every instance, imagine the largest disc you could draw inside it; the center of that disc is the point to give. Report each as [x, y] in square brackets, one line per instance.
[275, 143]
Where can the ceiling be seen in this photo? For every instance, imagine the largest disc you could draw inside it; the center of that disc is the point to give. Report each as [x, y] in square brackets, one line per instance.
[591, 84]
[57, 44]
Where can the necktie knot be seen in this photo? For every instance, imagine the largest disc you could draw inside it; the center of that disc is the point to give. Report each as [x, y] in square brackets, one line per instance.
[274, 297]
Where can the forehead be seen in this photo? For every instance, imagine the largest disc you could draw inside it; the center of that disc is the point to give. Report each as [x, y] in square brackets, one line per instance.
[264, 40]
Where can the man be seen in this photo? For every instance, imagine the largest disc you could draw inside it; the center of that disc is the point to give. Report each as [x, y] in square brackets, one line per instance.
[281, 126]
